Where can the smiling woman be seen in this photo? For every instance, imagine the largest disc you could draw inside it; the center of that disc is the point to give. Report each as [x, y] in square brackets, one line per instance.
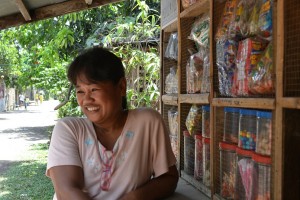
[113, 153]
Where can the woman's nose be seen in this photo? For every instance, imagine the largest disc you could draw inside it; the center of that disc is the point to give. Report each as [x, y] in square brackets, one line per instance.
[88, 96]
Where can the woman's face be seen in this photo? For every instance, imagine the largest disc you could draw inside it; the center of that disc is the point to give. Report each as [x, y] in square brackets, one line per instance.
[100, 102]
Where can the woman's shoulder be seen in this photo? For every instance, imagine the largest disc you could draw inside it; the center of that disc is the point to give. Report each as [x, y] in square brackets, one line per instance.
[145, 113]
[75, 121]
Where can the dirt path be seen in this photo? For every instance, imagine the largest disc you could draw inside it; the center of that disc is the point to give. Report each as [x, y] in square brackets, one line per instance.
[21, 128]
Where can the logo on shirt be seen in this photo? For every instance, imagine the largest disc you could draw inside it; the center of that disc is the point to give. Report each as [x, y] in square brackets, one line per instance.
[129, 134]
[89, 141]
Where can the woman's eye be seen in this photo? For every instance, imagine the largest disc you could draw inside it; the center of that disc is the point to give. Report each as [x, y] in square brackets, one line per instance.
[95, 89]
[79, 92]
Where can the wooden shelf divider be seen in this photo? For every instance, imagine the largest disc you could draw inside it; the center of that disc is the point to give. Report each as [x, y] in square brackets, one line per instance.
[259, 103]
[196, 9]
[194, 98]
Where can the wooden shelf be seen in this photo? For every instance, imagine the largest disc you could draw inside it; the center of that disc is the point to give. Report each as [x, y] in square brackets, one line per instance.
[170, 26]
[199, 185]
[170, 99]
[260, 103]
[196, 9]
[194, 98]
[290, 102]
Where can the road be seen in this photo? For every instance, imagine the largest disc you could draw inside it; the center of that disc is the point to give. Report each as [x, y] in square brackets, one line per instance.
[21, 128]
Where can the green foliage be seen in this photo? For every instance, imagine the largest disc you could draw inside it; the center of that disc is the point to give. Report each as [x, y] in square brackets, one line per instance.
[71, 108]
[36, 55]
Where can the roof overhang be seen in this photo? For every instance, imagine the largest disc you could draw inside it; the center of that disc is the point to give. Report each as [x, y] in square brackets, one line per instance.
[18, 12]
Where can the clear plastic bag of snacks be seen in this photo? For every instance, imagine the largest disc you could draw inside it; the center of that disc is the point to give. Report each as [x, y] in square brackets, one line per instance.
[239, 26]
[194, 72]
[200, 31]
[248, 54]
[261, 80]
[226, 53]
[173, 120]
[205, 86]
[172, 47]
[227, 16]
[171, 83]
[265, 20]
[254, 17]
[194, 120]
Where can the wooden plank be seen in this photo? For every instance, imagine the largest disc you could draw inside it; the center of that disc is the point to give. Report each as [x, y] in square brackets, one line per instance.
[260, 103]
[278, 146]
[171, 26]
[196, 9]
[170, 99]
[194, 98]
[214, 173]
[290, 102]
[169, 12]
[51, 11]
[23, 9]
[180, 142]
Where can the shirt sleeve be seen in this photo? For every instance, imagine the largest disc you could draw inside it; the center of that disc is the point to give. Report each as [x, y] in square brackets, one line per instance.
[64, 148]
[163, 156]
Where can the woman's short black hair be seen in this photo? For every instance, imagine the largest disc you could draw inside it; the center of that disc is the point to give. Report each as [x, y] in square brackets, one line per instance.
[97, 64]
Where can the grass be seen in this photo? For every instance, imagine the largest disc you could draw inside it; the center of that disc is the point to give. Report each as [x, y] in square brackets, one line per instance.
[26, 179]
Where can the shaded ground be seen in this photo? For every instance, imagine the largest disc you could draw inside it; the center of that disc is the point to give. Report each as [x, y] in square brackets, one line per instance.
[21, 128]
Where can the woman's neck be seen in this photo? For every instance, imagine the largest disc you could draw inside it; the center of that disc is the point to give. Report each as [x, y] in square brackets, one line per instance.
[109, 134]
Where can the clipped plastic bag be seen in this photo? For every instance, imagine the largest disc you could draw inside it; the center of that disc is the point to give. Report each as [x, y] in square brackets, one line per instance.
[171, 83]
[226, 54]
[200, 31]
[227, 16]
[254, 17]
[173, 121]
[239, 26]
[249, 52]
[205, 85]
[265, 23]
[261, 80]
[193, 121]
[172, 47]
[194, 72]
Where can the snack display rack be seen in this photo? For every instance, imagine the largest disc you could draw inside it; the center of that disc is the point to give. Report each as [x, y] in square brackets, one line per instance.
[283, 103]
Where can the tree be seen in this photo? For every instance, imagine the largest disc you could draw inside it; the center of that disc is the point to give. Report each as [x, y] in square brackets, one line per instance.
[37, 54]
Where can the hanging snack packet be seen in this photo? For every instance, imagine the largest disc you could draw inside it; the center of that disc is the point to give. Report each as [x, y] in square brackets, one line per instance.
[265, 20]
[205, 85]
[228, 14]
[226, 53]
[239, 27]
[194, 120]
[254, 17]
[200, 31]
[172, 47]
[261, 80]
[194, 73]
[248, 54]
[171, 82]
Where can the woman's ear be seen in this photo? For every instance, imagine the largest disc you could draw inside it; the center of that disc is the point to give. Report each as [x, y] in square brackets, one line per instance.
[122, 86]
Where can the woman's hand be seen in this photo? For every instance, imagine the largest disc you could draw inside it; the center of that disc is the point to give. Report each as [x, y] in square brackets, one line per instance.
[157, 188]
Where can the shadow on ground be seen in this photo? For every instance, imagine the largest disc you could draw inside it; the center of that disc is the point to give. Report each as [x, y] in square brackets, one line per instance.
[30, 133]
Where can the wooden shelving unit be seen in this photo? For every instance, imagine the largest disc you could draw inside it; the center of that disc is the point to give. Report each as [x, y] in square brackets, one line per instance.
[284, 104]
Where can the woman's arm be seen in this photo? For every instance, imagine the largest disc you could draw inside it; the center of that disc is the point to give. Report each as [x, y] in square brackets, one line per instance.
[68, 182]
[157, 188]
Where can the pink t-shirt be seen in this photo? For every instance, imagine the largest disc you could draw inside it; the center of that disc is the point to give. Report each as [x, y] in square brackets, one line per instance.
[143, 150]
